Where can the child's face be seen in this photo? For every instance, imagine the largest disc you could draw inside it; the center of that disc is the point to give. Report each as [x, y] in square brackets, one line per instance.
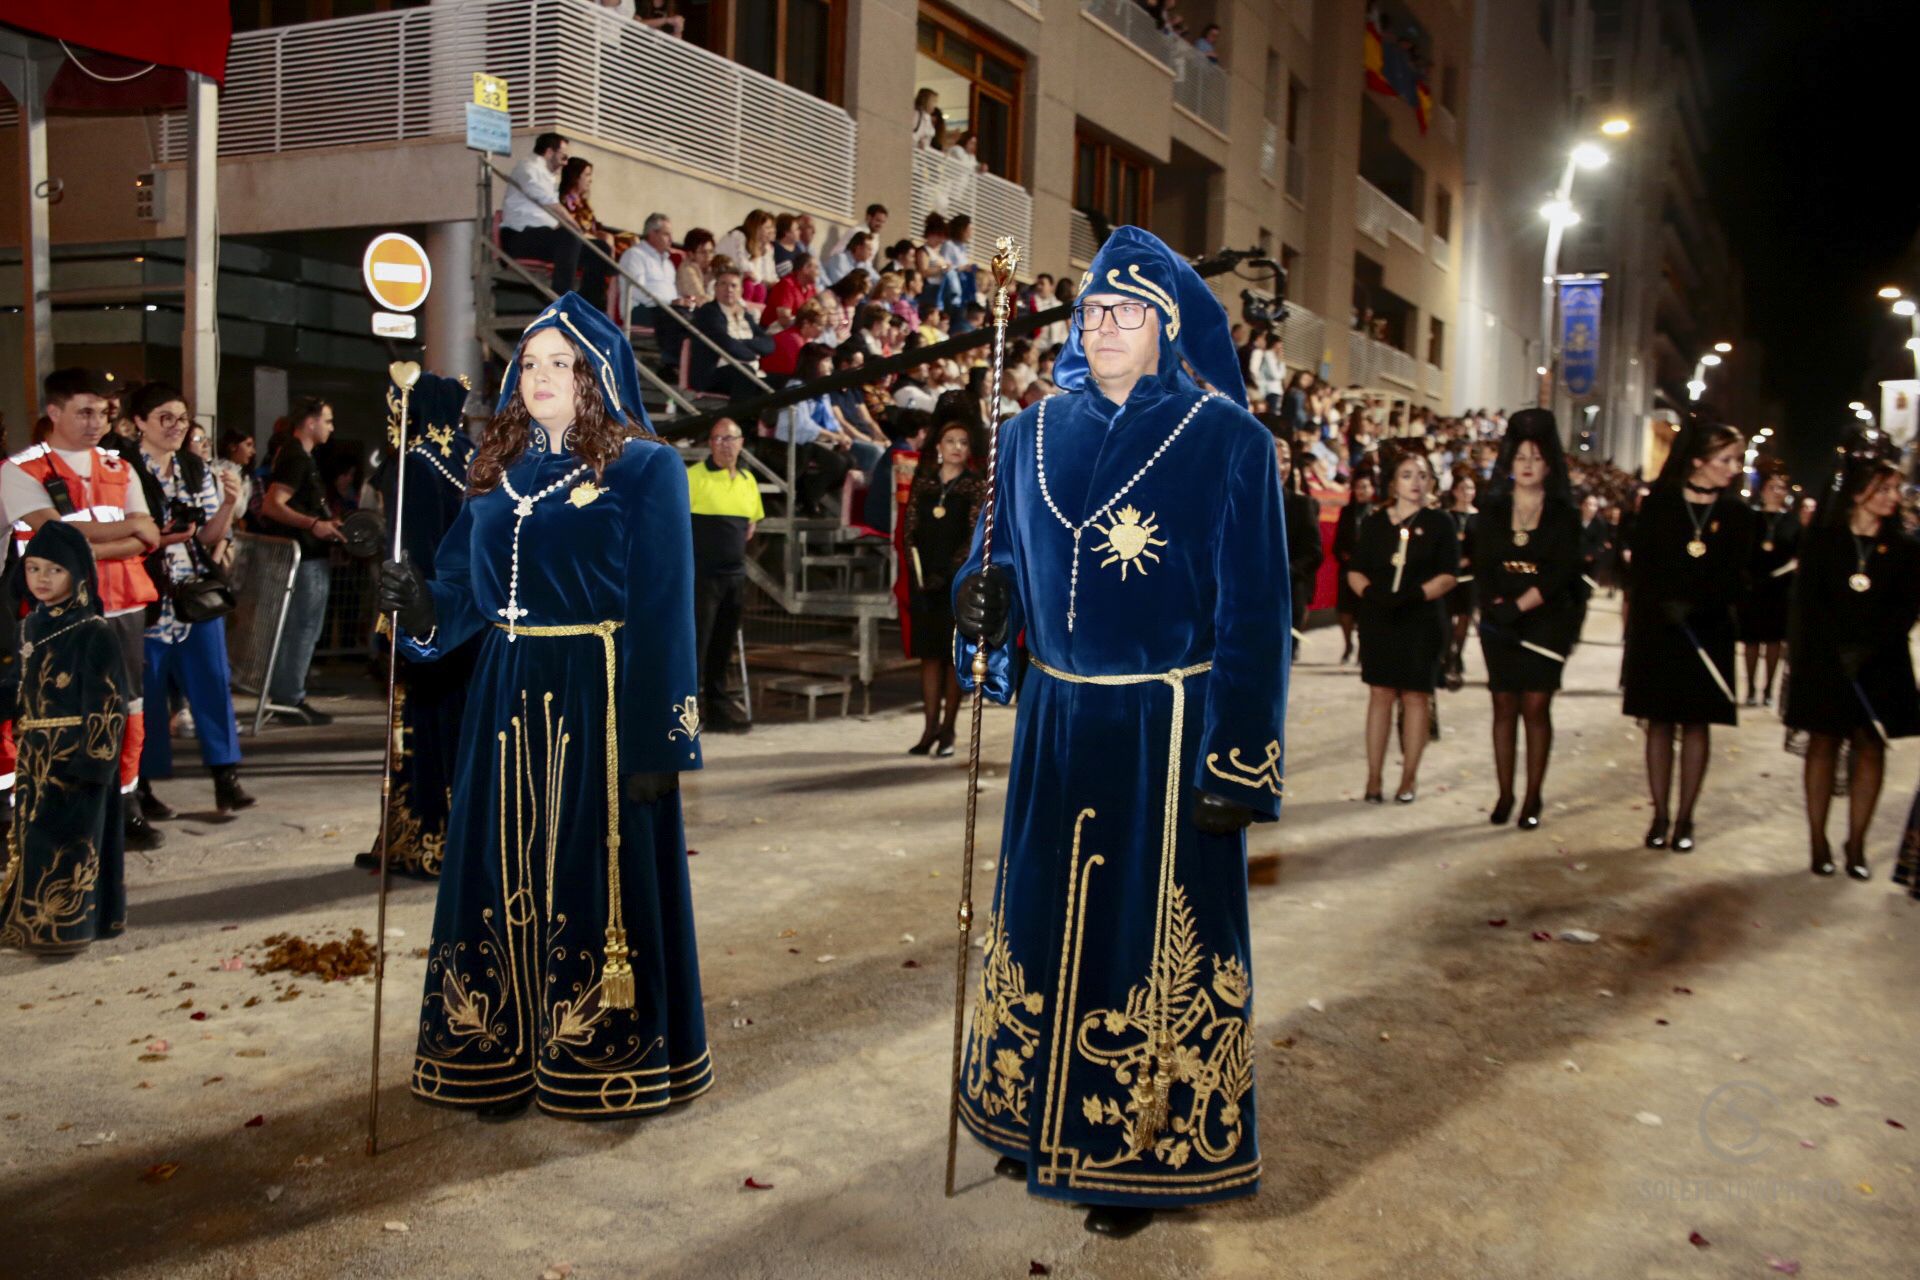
[49, 582]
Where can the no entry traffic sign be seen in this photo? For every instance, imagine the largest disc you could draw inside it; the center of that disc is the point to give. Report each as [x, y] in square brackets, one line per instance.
[397, 272]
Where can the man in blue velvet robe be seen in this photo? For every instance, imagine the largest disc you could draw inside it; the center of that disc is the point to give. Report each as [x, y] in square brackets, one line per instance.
[1139, 549]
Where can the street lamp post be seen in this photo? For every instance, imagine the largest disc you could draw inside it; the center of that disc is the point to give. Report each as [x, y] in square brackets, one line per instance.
[1560, 214]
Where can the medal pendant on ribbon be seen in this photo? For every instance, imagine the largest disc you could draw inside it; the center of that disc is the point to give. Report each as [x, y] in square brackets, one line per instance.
[939, 513]
[1519, 537]
[1696, 548]
[583, 493]
[1859, 581]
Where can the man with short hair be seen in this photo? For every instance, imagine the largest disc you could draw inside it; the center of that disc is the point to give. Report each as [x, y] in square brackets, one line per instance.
[786, 242]
[70, 477]
[875, 223]
[295, 506]
[1208, 45]
[727, 324]
[533, 222]
[725, 499]
[857, 255]
[792, 291]
[650, 258]
[1139, 546]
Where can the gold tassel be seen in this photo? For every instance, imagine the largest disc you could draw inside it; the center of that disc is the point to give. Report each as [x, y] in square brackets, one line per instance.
[1154, 1118]
[616, 980]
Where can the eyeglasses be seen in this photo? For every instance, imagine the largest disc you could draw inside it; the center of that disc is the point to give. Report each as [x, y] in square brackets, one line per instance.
[1126, 315]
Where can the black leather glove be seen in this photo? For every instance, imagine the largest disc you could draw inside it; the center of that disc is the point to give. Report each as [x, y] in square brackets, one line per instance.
[1501, 613]
[646, 788]
[400, 588]
[1218, 816]
[984, 603]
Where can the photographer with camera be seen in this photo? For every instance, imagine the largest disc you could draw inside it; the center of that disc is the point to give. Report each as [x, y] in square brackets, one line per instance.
[186, 643]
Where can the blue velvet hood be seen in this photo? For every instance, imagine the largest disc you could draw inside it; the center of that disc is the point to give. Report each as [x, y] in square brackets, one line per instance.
[608, 352]
[1193, 324]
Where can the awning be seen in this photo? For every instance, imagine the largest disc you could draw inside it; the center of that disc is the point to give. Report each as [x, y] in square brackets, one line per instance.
[116, 41]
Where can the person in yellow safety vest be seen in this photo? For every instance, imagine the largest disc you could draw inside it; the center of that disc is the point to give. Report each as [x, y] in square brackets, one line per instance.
[69, 477]
[725, 501]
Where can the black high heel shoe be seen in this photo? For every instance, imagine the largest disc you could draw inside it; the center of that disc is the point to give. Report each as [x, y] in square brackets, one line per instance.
[1822, 859]
[925, 745]
[1657, 833]
[1502, 810]
[1529, 814]
[1857, 867]
[1683, 836]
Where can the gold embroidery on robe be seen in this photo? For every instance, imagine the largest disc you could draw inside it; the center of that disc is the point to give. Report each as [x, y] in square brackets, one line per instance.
[688, 713]
[1264, 774]
[1002, 1087]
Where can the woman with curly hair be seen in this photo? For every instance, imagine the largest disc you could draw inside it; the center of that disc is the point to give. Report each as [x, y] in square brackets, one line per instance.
[562, 968]
[942, 508]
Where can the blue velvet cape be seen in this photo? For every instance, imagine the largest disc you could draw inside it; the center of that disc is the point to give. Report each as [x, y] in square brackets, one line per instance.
[431, 695]
[1117, 949]
[513, 989]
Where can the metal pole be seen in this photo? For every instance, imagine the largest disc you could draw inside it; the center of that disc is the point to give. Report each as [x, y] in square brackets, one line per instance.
[1549, 268]
[26, 68]
[405, 375]
[200, 338]
[1005, 259]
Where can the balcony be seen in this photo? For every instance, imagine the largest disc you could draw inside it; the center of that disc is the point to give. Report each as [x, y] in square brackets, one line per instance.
[1303, 339]
[1375, 215]
[1371, 363]
[570, 65]
[953, 187]
[1134, 25]
[1199, 85]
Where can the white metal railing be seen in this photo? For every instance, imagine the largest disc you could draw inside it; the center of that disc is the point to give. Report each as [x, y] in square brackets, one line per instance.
[1433, 381]
[1199, 84]
[1368, 361]
[1296, 173]
[570, 64]
[1269, 150]
[1375, 214]
[951, 187]
[1135, 25]
[1081, 242]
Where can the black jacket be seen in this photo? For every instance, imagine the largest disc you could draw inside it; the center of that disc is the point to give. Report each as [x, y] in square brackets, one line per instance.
[710, 320]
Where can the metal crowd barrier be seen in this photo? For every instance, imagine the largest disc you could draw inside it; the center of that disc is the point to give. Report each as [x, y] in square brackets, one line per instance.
[262, 576]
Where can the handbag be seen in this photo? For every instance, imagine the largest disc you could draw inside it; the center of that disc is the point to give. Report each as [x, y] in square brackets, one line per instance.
[205, 596]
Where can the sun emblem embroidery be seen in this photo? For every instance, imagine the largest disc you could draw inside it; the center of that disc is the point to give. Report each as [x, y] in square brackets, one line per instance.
[1130, 541]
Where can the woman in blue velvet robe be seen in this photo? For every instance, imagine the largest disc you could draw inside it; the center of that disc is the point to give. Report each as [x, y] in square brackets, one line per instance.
[562, 967]
[431, 695]
[1111, 1049]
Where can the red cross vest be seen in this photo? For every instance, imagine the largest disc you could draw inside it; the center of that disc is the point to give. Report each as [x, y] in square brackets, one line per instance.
[124, 584]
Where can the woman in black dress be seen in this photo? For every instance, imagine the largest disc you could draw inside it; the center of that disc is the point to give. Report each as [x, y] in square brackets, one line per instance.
[1460, 600]
[1691, 552]
[1304, 552]
[942, 508]
[1763, 614]
[1404, 559]
[1346, 534]
[1856, 598]
[1528, 560]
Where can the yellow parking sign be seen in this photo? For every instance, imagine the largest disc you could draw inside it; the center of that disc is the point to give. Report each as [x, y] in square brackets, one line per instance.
[489, 91]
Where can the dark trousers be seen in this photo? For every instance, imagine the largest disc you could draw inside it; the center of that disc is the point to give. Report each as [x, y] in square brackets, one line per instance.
[821, 471]
[565, 252]
[718, 600]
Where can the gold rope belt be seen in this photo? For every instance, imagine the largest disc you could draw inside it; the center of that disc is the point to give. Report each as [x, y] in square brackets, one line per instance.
[1155, 1116]
[57, 722]
[616, 979]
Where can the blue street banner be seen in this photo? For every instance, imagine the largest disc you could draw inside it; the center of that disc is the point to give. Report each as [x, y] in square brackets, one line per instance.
[1580, 334]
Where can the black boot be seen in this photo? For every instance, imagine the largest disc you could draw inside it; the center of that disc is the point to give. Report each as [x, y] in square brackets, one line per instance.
[228, 797]
[141, 835]
[152, 807]
[1008, 1167]
[497, 1112]
[1116, 1221]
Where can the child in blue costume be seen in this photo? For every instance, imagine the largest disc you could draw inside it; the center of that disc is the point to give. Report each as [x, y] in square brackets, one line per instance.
[62, 887]
[1139, 544]
[563, 968]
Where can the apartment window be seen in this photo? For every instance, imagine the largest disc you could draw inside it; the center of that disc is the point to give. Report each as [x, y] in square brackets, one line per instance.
[1546, 23]
[1111, 181]
[1296, 107]
[1450, 88]
[981, 82]
[1436, 341]
[797, 42]
[1277, 90]
[1443, 213]
[1289, 258]
[1265, 240]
